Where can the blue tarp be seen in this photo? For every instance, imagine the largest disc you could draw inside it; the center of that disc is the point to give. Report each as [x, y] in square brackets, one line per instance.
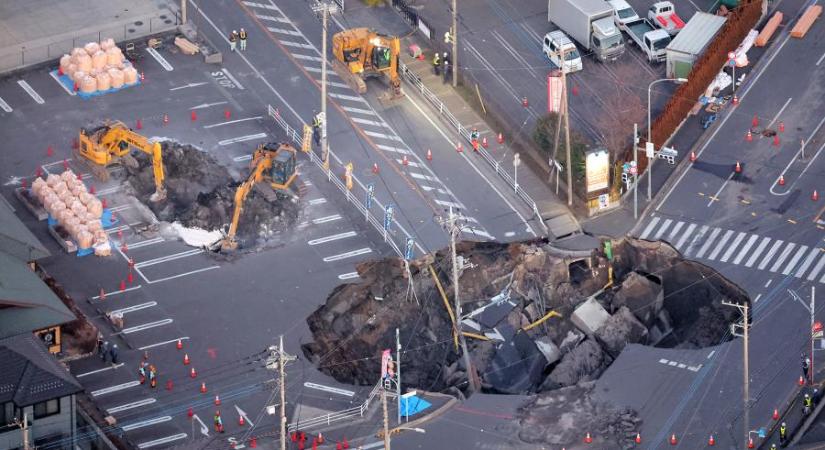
[413, 405]
[69, 84]
[107, 220]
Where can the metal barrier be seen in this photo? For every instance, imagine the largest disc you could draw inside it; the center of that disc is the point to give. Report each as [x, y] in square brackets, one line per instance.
[329, 419]
[413, 79]
[410, 15]
[296, 136]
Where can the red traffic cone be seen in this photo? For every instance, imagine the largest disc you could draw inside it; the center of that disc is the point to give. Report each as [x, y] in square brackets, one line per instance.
[737, 168]
[124, 248]
[775, 415]
[588, 439]
[186, 359]
[459, 148]
[711, 441]
[79, 177]
[781, 180]
[345, 442]
[500, 138]
[338, 446]
[253, 442]
[227, 114]
[375, 168]
[638, 438]
[92, 189]
[194, 116]
[179, 345]
[102, 294]
[801, 381]
[524, 102]
[429, 155]
[692, 156]
[65, 164]
[139, 125]
[575, 90]
[130, 278]
[103, 203]
[122, 285]
[241, 421]
[735, 100]
[75, 143]
[673, 440]
[484, 142]
[193, 373]
[749, 136]
[776, 140]
[49, 151]
[190, 412]
[781, 126]
[320, 438]
[131, 263]
[165, 119]
[815, 195]
[38, 172]
[203, 388]
[405, 161]
[141, 76]
[750, 443]
[169, 385]
[293, 437]
[755, 120]
[76, 87]
[217, 401]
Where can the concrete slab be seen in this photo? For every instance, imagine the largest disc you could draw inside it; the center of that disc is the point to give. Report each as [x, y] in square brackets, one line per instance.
[589, 316]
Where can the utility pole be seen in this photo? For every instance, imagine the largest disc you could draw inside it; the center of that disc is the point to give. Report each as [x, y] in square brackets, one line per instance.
[567, 136]
[325, 9]
[455, 43]
[398, 371]
[277, 360]
[813, 320]
[454, 231]
[183, 12]
[386, 420]
[743, 309]
[25, 429]
[635, 175]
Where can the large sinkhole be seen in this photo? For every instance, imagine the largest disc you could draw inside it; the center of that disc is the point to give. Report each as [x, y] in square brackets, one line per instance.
[534, 318]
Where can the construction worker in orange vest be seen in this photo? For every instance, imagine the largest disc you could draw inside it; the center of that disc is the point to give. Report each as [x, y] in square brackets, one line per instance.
[218, 422]
[233, 39]
[242, 36]
[474, 137]
[142, 372]
[153, 376]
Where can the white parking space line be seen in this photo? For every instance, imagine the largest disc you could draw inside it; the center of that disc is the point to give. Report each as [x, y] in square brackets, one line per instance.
[249, 137]
[109, 190]
[391, 137]
[359, 110]
[29, 90]
[733, 246]
[232, 78]
[393, 149]
[317, 201]
[312, 69]
[99, 370]
[284, 31]
[348, 276]
[331, 238]
[145, 423]
[242, 158]
[409, 163]
[688, 233]
[449, 204]
[160, 59]
[120, 208]
[172, 257]
[115, 388]
[351, 254]
[431, 188]
[346, 97]
[819, 61]
[782, 256]
[55, 77]
[259, 5]
[817, 268]
[147, 242]
[134, 308]
[307, 57]
[808, 261]
[744, 251]
[117, 228]
[796, 257]
[231, 122]
[769, 255]
[162, 441]
[649, 228]
[367, 122]
[326, 219]
[272, 18]
[338, 85]
[185, 274]
[422, 176]
[171, 341]
[146, 326]
[109, 294]
[330, 389]
[752, 260]
[5, 106]
[298, 45]
[133, 405]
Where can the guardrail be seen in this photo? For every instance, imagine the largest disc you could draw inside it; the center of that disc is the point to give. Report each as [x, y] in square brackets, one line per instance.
[329, 419]
[414, 80]
[296, 135]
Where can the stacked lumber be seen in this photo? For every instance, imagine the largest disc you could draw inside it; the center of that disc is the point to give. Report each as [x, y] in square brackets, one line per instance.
[769, 29]
[186, 46]
[806, 21]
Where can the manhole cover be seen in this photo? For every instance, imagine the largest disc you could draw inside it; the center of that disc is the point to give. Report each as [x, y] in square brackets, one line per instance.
[131, 30]
[138, 23]
[162, 16]
[167, 21]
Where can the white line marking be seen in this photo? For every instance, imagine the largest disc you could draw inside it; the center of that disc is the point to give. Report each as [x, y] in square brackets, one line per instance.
[161, 441]
[782, 256]
[767, 258]
[360, 251]
[134, 308]
[172, 257]
[393, 149]
[284, 31]
[808, 261]
[721, 245]
[115, 388]
[163, 62]
[312, 69]
[795, 260]
[423, 177]
[688, 233]
[273, 18]
[128, 406]
[733, 246]
[231, 122]
[120, 208]
[326, 219]
[817, 268]
[820, 59]
[57, 79]
[793, 160]
[207, 105]
[109, 190]
[477, 232]
[448, 204]
[146, 326]
[298, 45]
[259, 5]
[348, 276]
[99, 370]
[233, 79]
[695, 241]
[662, 229]
[29, 90]
[188, 85]
[317, 201]
[147, 242]
[307, 57]
[431, 188]
[191, 272]
[331, 238]
[109, 294]
[758, 252]
[757, 298]
[336, 84]
[145, 423]
[183, 338]
[5, 106]
[721, 188]
[409, 163]
[242, 158]
[346, 97]
[382, 135]
[675, 230]
[333, 390]
[710, 240]
[250, 137]
[742, 253]
[359, 110]
[649, 228]
[367, 122]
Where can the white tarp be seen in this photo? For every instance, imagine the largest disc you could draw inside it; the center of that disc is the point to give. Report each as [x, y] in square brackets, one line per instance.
[196, 237]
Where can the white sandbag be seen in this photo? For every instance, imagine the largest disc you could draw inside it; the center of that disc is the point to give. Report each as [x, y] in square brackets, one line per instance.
[99, 59]
[106, 44]
[67, 174]
[104, 81]
[88, 85]
[84, 239]
[114, 57]
[77, 188]
[92, 48]
[65, 60]
[85, 198]
[60, 188]
[130, 75]
[117, 78]
[37, 186]
[95, 207]
[79, 209]
[84, 63]
[77, 51]
[53, 179]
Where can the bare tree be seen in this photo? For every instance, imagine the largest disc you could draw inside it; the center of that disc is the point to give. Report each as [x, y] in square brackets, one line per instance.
[622, 108]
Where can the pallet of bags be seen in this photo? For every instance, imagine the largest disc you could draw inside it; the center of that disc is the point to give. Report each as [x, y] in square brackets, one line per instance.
[96, 69]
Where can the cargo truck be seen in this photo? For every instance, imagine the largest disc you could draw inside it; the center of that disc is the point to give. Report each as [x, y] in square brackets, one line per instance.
[651, 40]
[590, 23]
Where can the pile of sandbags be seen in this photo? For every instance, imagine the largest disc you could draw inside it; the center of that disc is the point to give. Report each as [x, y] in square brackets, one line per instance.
[97, 67]
[66, 199]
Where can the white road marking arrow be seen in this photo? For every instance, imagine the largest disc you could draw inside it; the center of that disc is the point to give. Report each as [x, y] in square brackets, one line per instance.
[207, 105]
[188, 86]
[245, 417]
[204, 428]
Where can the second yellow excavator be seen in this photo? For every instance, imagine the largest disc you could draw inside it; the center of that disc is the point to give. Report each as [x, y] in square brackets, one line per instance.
[361, 53]
[275, 165]
[110, 144]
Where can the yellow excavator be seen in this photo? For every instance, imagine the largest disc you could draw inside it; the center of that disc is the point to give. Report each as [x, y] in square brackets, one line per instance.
[110, 144]
[361, 53]
[273, 168]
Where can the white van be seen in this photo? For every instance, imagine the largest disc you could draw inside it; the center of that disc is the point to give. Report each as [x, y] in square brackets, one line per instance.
[622, 12]
[554, 43]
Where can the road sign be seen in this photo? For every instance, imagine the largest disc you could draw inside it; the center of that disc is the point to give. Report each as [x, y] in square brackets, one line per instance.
[516, 159]
[370, 194]
[649, 149]
[408, 252]
[388, 213]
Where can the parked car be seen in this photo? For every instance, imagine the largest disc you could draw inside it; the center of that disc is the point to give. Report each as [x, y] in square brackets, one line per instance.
[555, 43]
[622, 12]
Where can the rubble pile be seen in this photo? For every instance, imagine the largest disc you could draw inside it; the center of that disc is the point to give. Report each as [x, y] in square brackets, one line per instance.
[201, 194]
[540, 319]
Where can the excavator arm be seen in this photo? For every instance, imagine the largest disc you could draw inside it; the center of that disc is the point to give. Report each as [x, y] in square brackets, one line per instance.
[261, 164]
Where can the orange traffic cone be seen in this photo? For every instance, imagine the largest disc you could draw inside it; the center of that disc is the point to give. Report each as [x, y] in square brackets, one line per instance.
[711, 441]
[588, 439]
[755, 121]
[638, 438]
[673, 440]
[750, 443]
[735, 100]
[815, 195]
[179, 345]
[49, 151]
[186, 359]
[139, 125]
[122, 285]
[130, 278]
[253, 442]
[776, 140]
[692, 156]
[227, 114]
[484, 142]
[749, 136]
[124, 248]
[405, 161]
[781, 180]
[429, 155]
[217, 401]
[203, 388]
[738, 167]
[169, 385]
[194, 116]
[141, 76]
[166, 119]
[781, 126]
[92, 189]
[775, 415]
[193, 373]
[241, 421]
[801, 381]
[500, 138]
[459, 148]
[190, 412]
[375, 168]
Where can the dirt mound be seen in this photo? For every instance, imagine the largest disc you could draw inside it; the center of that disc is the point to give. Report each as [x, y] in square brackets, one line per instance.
[200, 194]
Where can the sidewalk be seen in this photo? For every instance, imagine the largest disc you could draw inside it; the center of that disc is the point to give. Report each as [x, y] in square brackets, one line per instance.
[792, 415]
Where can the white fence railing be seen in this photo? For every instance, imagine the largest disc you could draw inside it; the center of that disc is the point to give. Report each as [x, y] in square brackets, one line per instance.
[415, 81]
[329, 419]
[296, 135]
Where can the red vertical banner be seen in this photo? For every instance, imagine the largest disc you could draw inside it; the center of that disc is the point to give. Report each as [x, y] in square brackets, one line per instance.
[554, 91]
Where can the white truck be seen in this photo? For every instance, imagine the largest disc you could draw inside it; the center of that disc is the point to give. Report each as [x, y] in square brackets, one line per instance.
[590, 23]
[652, 41]
[622, 12]
[556, 44]
[663, 15]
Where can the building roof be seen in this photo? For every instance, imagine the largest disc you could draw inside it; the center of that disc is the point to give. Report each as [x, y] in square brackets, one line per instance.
[29, 374]
[697, 33]
[16, 239]
[27, 304]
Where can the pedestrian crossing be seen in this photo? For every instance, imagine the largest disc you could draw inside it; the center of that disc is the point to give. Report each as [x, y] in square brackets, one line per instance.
[739, 248]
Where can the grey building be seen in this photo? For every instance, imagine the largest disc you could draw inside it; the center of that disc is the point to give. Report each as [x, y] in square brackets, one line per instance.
[33, 383]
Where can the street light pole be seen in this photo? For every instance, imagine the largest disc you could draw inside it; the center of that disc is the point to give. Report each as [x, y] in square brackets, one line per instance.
[455, 43]
[743, 308]
[813, 322]
[649, 133]
[636, 175]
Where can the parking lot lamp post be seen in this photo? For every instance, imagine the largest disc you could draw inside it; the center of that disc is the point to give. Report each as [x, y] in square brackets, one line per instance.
[649, 134]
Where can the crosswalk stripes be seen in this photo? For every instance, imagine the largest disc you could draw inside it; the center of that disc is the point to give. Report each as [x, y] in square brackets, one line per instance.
[739, 248]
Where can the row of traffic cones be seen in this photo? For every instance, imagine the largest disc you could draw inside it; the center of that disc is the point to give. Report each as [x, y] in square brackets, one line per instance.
[588, 439]
[165, 120]
[459, 148]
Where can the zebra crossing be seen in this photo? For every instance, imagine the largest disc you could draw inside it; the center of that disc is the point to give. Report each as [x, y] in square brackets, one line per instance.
[361, 113]
[739, 248]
